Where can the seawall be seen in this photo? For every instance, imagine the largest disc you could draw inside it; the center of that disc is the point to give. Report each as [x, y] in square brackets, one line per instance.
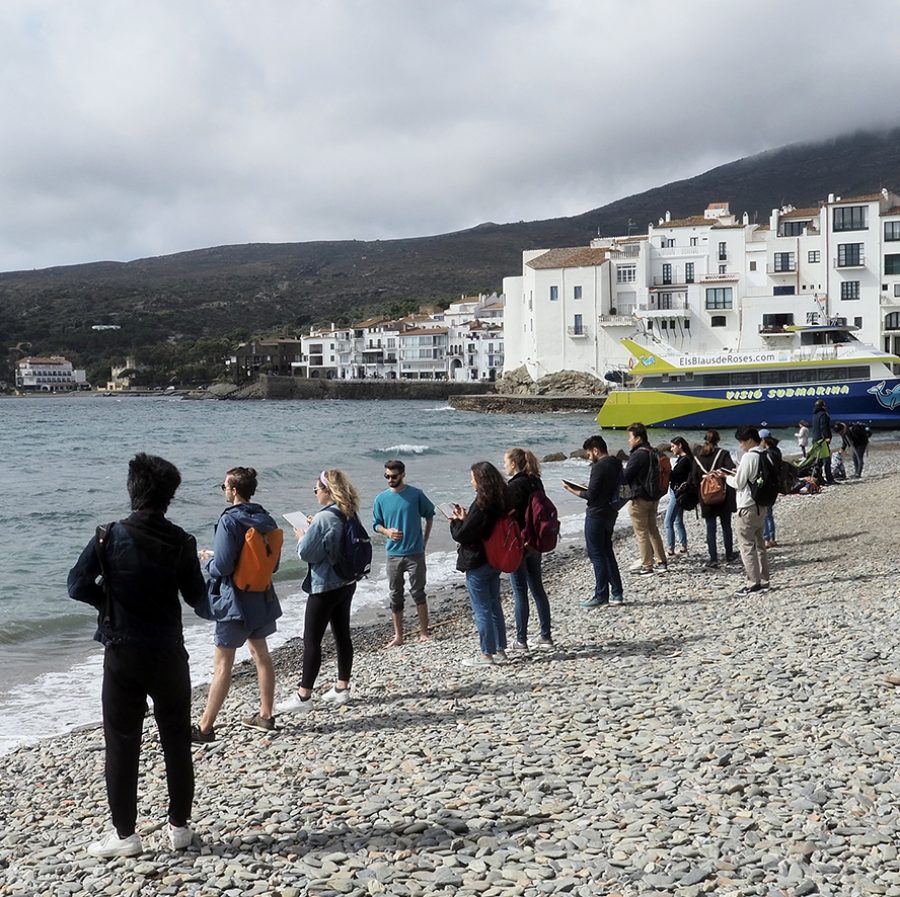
[302, 388]
[505, 404]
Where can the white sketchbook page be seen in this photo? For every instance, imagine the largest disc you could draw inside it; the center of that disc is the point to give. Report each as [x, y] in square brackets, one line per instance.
[297, 519]
[574, 485]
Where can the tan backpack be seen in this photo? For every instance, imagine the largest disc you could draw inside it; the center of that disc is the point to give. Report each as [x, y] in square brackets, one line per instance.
[712, 487]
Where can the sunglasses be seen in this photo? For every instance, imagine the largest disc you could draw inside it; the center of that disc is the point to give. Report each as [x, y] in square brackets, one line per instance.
[223, 486]
[393, 476]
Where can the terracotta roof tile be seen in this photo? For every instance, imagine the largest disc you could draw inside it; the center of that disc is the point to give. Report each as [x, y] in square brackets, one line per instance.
[800, 213]
[871, 197]
[693, 221]
[573, 257]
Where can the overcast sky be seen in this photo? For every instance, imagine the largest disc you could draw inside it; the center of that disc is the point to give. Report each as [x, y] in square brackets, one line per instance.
[133, 130]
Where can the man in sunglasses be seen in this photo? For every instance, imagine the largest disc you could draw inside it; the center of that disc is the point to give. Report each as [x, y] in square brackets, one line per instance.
[397, 515]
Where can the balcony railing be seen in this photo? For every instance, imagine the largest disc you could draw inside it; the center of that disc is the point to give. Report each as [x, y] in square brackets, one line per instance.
[774, 330]
[675, 251]
[858, 261]
[781, 269]
[718, 278]
[670, 284]
[577, 330]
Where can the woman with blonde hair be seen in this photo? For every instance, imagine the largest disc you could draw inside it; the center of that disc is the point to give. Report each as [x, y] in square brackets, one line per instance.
[330, 594]
[524, 471]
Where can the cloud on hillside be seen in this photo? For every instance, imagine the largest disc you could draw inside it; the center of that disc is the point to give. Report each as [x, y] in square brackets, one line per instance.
[142, 130]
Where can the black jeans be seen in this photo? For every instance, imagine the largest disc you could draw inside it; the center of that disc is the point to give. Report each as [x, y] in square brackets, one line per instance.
[727, 535]
[598, 540]
[321, 609]
[131, 674]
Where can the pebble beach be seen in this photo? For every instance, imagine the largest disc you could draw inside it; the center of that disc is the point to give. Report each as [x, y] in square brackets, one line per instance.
[685, 743]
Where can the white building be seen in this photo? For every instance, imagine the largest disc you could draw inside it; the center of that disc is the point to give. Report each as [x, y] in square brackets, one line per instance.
[475, 351]
[709, 282]
[52, 373]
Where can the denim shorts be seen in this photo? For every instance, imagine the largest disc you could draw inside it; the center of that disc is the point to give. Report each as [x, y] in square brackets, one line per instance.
[233, 633]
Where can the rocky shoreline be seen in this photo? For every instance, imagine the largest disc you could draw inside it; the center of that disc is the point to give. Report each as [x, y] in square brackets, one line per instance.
[686, 743]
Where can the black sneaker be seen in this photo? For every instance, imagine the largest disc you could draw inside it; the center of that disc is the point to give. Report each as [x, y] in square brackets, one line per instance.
[748, 590]
[711, 565]
[198, 737]
[263, 723]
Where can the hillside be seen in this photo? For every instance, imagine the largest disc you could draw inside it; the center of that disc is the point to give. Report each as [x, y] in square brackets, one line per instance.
[231, 291]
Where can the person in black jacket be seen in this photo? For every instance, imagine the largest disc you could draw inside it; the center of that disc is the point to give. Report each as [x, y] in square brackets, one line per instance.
[681, 474]
[710, 457]
[821, 431]
[145, 560]
[644, 507]
[470, 529]
[600, 521]
[858, 436]
[525, 471]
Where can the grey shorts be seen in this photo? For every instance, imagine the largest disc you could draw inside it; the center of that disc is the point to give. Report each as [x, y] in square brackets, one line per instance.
[233, 633]
[414, 566]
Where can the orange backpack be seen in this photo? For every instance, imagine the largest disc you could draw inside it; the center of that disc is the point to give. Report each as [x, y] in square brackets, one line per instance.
[258, 560]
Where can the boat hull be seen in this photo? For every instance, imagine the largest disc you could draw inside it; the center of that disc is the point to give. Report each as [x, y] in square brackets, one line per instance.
[875, 403]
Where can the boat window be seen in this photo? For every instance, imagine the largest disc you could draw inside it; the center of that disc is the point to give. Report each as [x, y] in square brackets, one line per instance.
[860, 372]
[839, 336]
[745, 378]
[774, 377]
[799, 375]
[833, 374]
[716, 380]
[812, 338]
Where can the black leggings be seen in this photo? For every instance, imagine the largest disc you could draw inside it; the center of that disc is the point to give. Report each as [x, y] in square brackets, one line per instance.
[321, 609]
[130, 674]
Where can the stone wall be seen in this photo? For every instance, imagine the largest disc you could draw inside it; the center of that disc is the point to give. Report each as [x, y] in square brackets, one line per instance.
[302, 388]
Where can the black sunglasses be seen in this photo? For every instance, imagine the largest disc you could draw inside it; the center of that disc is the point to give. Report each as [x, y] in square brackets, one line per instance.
[393, 476]
[223, 486]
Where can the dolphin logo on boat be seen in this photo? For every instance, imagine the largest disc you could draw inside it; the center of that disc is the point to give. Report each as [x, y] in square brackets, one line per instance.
[889, 399]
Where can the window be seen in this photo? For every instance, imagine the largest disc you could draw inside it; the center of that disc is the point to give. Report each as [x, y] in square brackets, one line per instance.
[891, 231]
[626, 274]
[554, 293]
[723, 269]
[784, 291]
[792, 228]
[850, 255]
[576, 292]
[851, 218]
[689, 272]
[814, 256]
[693, 241]
[578, 326]
[778, 320]
[897, 289]
[665, 301]
[718, 297]
[752, 266]
[667, 274]
[723, 252]
[857, 322]
[668, 242]
[718, 321]
[892, 321]
[784, 261]
[850, 289]
[892, 264]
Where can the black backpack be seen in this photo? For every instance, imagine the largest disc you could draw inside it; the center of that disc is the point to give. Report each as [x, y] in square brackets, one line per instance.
[765, 486]
[355, 560]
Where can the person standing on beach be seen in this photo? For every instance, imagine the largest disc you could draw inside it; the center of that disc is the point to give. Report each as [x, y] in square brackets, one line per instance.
[710, 459]
[682, 470]
[330, 594]
[470, 529]
[821, 432]
[524, 471]
[600, 521]
[770, 444]
[241, 617]
[858, 436]
[145, 561]
[750, 516]
[397, 514]
[802, 436]
[644, 507]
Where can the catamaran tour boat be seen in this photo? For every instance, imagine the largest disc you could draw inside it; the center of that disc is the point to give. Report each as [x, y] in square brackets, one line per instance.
[773, 387]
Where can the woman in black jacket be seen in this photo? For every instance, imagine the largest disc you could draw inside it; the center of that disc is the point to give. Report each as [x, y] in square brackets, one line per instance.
[470, 529]
[525, 472]
[709, 457]
[681, 473]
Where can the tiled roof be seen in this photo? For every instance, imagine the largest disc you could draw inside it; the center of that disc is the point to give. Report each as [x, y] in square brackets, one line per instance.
[894, 211]
[43, 359]
[717, 205]
[423, 331]
[574, 257]
[693, 221]
[871, 197]
[800, 213]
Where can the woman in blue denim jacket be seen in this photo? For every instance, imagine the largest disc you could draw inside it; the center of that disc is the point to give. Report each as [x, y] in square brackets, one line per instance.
[330, 596]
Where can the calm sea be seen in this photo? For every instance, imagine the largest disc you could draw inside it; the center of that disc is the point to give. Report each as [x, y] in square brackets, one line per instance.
[64, 469]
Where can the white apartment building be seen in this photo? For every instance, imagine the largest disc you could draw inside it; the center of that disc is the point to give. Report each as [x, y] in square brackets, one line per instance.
[707, 283]
[475, 351]
[52, 373]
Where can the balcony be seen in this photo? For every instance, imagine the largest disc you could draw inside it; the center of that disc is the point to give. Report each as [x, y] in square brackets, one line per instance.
[614, 320]
[774, 330]
[781, 269]
[661, 284]
[719, 278]
[852, 262]
[577, 331]
[676, 251]
[680, 310]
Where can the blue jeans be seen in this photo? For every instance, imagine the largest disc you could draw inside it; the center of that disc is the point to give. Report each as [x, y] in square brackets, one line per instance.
[674, 522]
[727, 536]
[528, 576]
[598, 533]
[769, 525]
[483, 585]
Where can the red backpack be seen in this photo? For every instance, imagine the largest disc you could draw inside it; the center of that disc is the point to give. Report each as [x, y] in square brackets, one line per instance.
[505, 547]
[541, 521]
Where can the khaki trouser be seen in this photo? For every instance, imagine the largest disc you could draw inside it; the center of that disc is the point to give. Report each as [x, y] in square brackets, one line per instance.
[749, 530]
[646, 531]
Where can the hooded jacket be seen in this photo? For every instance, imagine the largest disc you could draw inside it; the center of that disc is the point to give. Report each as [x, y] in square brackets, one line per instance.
[149, 561]
[226, 600]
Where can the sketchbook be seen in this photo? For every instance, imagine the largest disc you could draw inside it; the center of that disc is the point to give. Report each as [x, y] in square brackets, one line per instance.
[581, 487]
[297, 519]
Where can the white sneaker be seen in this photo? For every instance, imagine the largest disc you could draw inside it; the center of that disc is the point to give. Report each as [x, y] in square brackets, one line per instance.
[180, 836]
[333, 696]
[294, 705]
[111, 845]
